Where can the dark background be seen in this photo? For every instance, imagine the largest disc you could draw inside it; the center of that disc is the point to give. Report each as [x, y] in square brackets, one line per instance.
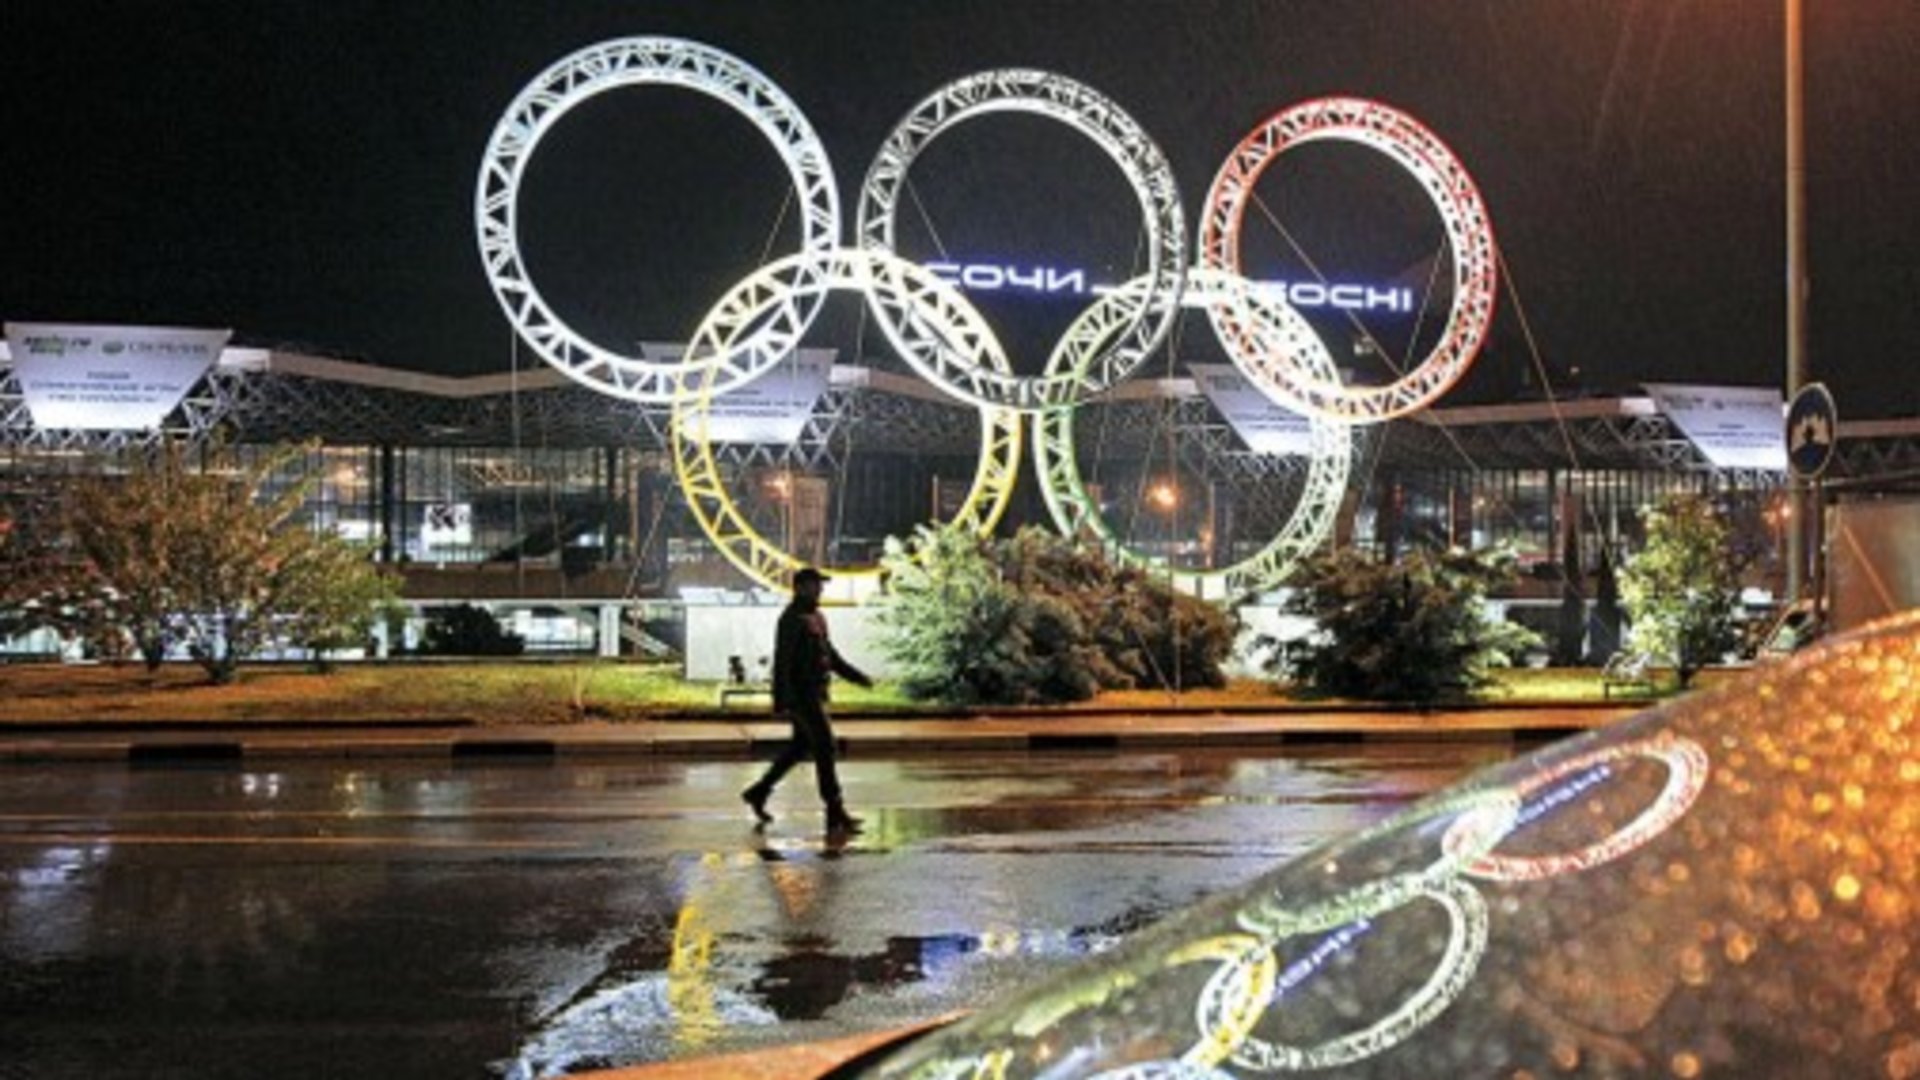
[303, 171]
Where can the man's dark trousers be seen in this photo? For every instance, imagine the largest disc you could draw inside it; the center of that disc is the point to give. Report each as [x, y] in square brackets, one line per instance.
[812, 736]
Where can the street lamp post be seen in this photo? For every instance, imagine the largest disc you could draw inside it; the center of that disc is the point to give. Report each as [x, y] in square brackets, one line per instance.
[1802, 513]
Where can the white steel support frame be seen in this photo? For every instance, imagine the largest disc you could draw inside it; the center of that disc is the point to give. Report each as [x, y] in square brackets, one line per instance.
[934, 318]
[611, 65]
[1462, 213]
[1075, 513]
[1137, 326]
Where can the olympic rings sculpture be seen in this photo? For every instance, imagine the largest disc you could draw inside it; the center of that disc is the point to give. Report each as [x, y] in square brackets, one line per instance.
[1248, 986]
[939, 333]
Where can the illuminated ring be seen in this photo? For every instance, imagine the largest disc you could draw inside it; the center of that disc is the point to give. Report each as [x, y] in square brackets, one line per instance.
[1074, 513]
[1687, 767]
[1162, 1070]
[1462, 213]
[641, 61]
[988, 1066]
[1467, 916]
[1248, 968]
[1483, 818]
[1139, 325]
[940, 319]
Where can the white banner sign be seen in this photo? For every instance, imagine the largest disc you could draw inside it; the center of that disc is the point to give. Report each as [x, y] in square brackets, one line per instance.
[1266, 427]
[772, 408]
[1735, 427]
[108, 378]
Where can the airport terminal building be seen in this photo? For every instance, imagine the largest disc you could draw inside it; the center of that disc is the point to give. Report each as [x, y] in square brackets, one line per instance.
[560, 505]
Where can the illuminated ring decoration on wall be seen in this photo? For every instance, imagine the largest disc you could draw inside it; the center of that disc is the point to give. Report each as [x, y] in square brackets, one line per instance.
[1466, 943]
[1687, 768]
[1313, 515]
[1137, 325]
[939, 319]
[642, 61]
[1462, 213]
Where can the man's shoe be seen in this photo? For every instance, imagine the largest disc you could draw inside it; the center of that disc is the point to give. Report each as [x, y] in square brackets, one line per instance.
[757, 802]
[841, 823]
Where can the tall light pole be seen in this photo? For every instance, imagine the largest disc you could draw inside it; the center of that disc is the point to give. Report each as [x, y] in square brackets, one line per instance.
[1802, 510]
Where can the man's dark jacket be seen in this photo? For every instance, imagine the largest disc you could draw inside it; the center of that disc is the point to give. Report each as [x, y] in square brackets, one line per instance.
[804, 659]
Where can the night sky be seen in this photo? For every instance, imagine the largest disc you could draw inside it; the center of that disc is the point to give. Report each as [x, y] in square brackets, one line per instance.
[303, 172]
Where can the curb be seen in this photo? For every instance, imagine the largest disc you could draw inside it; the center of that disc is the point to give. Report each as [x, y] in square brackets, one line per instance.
[465, 746]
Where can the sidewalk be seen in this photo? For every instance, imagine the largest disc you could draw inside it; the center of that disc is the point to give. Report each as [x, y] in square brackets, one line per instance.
[748, 734]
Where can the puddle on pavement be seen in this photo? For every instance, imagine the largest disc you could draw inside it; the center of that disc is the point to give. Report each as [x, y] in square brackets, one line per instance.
[649, 1003]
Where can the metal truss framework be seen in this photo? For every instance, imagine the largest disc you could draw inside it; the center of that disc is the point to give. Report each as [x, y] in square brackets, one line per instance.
[250, 407]
[610, 66]
[219, 395]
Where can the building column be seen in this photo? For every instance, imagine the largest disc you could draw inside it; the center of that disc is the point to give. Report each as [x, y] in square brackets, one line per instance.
[609, 631]
[383, 471]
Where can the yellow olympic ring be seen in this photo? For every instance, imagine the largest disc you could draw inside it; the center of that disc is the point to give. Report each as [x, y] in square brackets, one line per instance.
[944, 321]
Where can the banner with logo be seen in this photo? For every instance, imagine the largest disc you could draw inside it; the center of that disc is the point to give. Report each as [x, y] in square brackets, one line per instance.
[1266, 427]
[807, 519]
[772, 408]
[1735, 427]
[108, 378]
[447, 525]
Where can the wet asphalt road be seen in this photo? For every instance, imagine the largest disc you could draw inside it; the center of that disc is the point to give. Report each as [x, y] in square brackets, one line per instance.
[524, 919]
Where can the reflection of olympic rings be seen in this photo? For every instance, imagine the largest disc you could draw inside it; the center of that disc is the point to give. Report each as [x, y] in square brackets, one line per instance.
[988, 1066]
[1074, 512]
[638, 62]
[1241, 986]
[1686, 766]
[1487, 815]
[1163, 1070]
[1466, 916]
[1139, 322]
[1421, 153]
[939, 317]
[1246, 985]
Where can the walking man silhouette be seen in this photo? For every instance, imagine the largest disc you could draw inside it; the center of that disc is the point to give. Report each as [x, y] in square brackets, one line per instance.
[804, 661]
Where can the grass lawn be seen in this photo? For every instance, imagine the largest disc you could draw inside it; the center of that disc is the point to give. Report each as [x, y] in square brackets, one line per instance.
[544, 692]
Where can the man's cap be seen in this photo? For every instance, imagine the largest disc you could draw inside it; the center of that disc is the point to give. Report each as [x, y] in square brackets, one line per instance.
[808, 573]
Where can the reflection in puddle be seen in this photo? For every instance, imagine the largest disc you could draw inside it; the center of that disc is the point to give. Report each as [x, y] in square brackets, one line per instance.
[719, 981]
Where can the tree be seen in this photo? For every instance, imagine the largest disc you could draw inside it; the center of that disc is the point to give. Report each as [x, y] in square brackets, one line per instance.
[1681, 588]
[41, 587]
[1604, 641]
[1413, 630]
[331, 594]
[1570, 629]
[198, 558]
[1037, 618]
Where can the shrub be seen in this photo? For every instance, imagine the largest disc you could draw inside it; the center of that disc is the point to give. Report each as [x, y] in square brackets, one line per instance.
[1680, 589]
[1037, 618]
[466, 630]
[1416, 630]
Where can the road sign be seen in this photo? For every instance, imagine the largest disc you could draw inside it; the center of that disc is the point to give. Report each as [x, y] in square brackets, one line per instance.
[1813, 427]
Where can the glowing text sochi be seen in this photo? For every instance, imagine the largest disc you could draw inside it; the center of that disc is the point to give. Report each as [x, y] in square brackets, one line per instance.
[993, 277]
